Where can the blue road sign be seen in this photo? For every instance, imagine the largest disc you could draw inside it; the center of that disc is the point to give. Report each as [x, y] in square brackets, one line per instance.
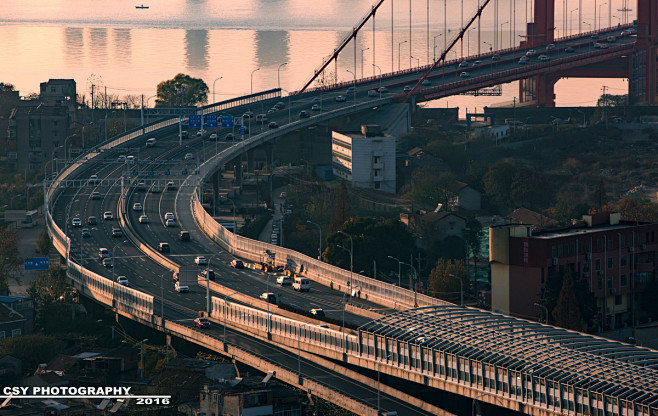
[36, 263]
[227, 121]
[167, 172]
[210, 121]
[135, 173]
[195, 121]
[151, 173]
[242, 130]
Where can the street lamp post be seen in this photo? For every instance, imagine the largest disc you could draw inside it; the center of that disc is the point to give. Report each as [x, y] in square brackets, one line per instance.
[11, 202]
[488, 44]
[214, 100]
[399, 269]
[320, 239]
[351, 259]
[380, 80]
[113, 282]
[600, 5]
[468, 42]
[289, 113]
[399, 49]
[590, 26]
[501, 33]
[571, 20]
[278, 78]
[235, 226]
[461, 285]
[147, 107]
[252, 80]
[354, 75]
[440, 34]
[208, 284]
[226, 313]
[299, 354]
[362, 50]
[417, 61]
[66, 151]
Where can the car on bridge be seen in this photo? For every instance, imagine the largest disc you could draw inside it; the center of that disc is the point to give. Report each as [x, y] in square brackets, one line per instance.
[85, 233]
[170, 223]
[280, 105]
[406, 88]
[237, 264]
[341, 98]
[213, 136]
[130, 160]
[464, 64]
[103, 253]
[200, 260]
[201, 323]
[476, 63]
[599, 45]
[229, 137]
[531, 53]
[163, 247]
[524, 60]
[143, 219]
[550, 46]
[426, 83]
[156, 189]
[122, 280]
[569, 49]
[189, 156]
[464, 75]
[92, 220]
[495, 57]
[137, 206]
[316, 107]
[317, 312]
[171, 186]
[261, 118]
[108, 262]
[150, 142]
[248, 114]
[208, 272]
[304, 114]
[184, 235]
[382, 90]
[273, 125]
[268, 297]
[76, 222]
[93, 179]
[178, 287]
[107, 215]
[372, 93]
[284, 281]
[116, 232]
[201, 132]
[543, 58]
[350, 90]
[169, 216]
[96, 196]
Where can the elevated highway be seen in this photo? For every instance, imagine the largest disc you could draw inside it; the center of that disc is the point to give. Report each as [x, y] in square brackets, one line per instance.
[543, 386]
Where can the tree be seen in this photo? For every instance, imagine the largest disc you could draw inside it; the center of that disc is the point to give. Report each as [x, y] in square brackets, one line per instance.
[429, 188]
[10, 260]
[52, 297]
[473, 234]
[567, 313]
[441, 285]
[343, 210]
[374, 241]
[43, 243]
[599, 199]
[32, 349]
[182, 90]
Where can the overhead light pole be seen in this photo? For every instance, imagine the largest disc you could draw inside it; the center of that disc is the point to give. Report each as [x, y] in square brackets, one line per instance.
[353, 74]
[461, 287]
[278, 78]
[214, 100]
[399, 49]
[351, 260]
[252, 80]
[399, 269]
[440, 34]
[362, 50]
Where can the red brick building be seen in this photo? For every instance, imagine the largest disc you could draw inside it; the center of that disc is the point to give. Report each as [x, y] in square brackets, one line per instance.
[618, 259]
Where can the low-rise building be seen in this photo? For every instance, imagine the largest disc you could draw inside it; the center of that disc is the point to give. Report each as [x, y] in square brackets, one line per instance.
[16, 316]
[617, 259]
[366, 159]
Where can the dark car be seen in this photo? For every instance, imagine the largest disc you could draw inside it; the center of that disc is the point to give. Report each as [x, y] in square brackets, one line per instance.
[273, 125]
[163, 247]
[116, 232]
[202, 323]
[304, 114]
[237, 264]
[184, 235]
[202, 274]
[91, 220]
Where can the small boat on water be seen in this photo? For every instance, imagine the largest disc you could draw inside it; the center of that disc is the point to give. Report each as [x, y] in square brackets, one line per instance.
[141, 7]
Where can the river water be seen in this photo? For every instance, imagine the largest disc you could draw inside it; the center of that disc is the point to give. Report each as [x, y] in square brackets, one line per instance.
[129, 51]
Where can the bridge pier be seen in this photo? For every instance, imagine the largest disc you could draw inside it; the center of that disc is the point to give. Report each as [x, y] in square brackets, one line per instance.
[539, 90]
[644, 72]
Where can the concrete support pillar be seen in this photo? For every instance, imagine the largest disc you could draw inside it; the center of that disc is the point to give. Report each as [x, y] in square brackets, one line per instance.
[250, 160]
[646, 50]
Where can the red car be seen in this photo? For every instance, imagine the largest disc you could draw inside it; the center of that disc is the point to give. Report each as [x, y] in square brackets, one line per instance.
[202, 323]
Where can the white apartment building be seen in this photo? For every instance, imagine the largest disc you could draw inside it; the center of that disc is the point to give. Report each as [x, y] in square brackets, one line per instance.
[366, 158]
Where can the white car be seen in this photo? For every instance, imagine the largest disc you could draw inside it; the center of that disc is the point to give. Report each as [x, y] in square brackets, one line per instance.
[143, 219]
[76, 222]
[137, 206]
[107, 215]
[543, 58]
[283, 280]
[150, 142]
[341, 98]
[130, 160]
[531, 53]
[200, 260]
[170, 223]
[93, 180]
[122, 280]
[213, 136]
[189, 156]
[170, 216]
[201, 132]
[464, 75]
[181, 288]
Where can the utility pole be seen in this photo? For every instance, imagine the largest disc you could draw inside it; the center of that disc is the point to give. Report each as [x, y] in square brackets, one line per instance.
[605, 106]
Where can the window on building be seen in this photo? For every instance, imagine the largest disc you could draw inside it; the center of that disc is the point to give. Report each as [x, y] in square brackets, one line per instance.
[15, 332]
[452, 225]
[2, 334]
[609, 282]
[618, 300]
[623, 280]
[599, 244]
[53, 89]
[623, 260]
[585, 266]
[599, 283]
[597, 264]
[559, 250]
[621, 241]
[610, 263]
[55, 123]
[554, 251]
[55, 133]
[611, 243]
[572, 249]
